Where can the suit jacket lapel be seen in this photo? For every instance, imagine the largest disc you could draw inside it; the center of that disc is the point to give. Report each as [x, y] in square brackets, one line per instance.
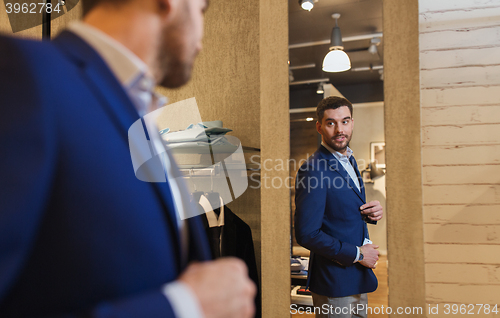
[360, 179]
[337, 166]
[101, 80]
[117, 104]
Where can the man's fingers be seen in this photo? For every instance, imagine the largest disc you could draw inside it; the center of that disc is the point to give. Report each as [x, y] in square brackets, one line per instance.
[371, 210]
[236, 263]
[375, 218]
[232, 292]
[369, 204]
[366, 211]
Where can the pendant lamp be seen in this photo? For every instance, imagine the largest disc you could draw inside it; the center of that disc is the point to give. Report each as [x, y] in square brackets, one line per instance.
[306, 4]
[336, 60]
[320, 89]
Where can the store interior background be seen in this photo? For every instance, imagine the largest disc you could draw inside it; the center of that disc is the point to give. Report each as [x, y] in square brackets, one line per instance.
[442, 134]
[442, 129]
[363, 88]
[360, 22]
[362, 85]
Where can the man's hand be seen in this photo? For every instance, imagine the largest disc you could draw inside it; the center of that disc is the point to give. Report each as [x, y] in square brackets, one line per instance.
[370, 255]
[222, 287]
[373, 210]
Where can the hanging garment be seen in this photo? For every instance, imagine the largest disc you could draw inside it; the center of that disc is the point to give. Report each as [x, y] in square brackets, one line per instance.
[235, 239]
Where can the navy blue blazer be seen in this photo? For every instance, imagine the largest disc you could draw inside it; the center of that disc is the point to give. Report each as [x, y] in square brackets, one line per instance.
[328, 223]
[80, 235]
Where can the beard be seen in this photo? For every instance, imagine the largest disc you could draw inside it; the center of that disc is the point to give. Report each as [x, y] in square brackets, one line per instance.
[173, 66]
[339, 146]
[176, 56]
[175, 73]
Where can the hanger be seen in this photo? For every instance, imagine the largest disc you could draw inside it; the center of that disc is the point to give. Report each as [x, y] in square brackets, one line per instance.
[196, 195]
[213, 197]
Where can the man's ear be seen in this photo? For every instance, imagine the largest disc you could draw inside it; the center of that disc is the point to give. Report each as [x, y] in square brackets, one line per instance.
[318, 128]
[165, 7]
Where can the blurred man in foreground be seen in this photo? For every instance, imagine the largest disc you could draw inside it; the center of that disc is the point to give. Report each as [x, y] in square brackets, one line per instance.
[80, 235]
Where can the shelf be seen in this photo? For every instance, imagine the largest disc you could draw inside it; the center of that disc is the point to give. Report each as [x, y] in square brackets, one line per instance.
[203, 170]
[298, 276]
[300, 299]
[246, 148]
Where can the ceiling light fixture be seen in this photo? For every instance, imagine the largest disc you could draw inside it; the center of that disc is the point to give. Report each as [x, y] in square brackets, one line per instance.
[306, 4]
[336, 60]
[373, 46]
[320, 89]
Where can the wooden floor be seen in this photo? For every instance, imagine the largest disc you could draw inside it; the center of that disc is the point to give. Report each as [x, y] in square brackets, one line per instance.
[379, 297]
[376, 299]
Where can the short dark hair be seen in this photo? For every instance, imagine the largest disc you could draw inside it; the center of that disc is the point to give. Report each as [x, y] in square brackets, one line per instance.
[88, 5]
[332, 102]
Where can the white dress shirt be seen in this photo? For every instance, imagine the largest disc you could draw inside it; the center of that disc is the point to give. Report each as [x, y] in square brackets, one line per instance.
[137, 80]
[344, 161]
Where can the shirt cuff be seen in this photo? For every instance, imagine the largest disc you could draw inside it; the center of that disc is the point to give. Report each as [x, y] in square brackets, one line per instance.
[357, 254]
[183, 300]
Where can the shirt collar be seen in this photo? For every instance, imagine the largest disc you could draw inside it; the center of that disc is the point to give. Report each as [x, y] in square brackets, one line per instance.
[213, 219]
[125, 65]
[132, 73]
[337, 154]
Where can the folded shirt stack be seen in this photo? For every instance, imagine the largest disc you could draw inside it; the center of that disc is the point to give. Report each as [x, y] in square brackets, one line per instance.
[299, 265]
[197, 138]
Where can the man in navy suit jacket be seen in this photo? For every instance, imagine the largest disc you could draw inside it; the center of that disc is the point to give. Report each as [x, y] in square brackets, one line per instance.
[80, 235]
[331, 215]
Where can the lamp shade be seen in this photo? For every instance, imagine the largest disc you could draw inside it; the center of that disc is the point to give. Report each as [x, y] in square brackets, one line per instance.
[375, 172]
[320, 89]
[336, 61]
[306, 4]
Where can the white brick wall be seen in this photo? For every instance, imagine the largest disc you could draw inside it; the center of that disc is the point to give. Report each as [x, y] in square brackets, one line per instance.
[460, 107]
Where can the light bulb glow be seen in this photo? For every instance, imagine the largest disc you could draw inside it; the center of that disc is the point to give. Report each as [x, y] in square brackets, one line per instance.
[336, 61]
[307, 5]
[309, 119]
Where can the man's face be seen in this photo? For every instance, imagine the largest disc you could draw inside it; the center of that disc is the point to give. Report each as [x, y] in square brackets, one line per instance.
[336, 128]
[181, 43]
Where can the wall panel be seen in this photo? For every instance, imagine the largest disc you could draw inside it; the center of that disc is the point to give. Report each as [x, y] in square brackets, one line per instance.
[472, 134]
[461, 155]
[462, 194]
[275, 144]
[458, 18]
[460, 253]
[467, 175]
[455, 5]
[463, 273]
[476, 37]
[405, 247]
[459, 58]
[462, 214]
[460, 81]
[466, 96]
[460, 115]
